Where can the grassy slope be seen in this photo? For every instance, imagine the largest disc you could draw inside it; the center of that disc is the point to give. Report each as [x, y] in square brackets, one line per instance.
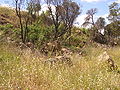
[21, 70]
[8, 15]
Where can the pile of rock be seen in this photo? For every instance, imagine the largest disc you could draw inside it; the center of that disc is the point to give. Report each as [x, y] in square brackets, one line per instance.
[104, 57]
[66, 51]
[58, 60]
[51, 48]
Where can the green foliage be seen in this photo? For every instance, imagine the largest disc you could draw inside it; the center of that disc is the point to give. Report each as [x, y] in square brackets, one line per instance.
[78, 41]
[100, 23]
[114, 10]
[16, 31]
[79, 37]
[6, 27]
[85, 31]
[38, 34]
[113, 29]
[112, 32]
[44, 19]
[33, 7]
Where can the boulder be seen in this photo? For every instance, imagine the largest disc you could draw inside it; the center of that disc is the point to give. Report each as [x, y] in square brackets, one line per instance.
[66, 51]
[104, 56]
[58, 60]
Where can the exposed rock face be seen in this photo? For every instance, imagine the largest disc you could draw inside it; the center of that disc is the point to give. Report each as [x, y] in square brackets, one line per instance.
[30, 45]
[66, 51]
[106, 58]
[103, 57]
[111, 65]
[58, 60]
[53, 47]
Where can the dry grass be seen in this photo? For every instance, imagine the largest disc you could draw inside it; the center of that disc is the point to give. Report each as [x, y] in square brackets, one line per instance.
[8, 15]
[22, 70]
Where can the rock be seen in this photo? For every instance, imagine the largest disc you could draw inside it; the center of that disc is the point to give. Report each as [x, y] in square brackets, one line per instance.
[103, 57]
[58, 60]
[53, 48]
[66, 51]
[65, 60]
[30, 45]
[50, 62]
[110, 62]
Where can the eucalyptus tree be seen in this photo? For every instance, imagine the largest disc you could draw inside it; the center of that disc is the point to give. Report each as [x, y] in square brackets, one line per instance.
[69, 12]
[89, 19]
[100, 23]
[114, 12]
[34, 7]
[18, 8]
[54, 11]
[62, 12]
[24, 16]
[112, 30]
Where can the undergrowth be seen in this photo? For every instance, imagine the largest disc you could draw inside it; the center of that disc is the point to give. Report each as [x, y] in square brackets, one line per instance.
[23, 70]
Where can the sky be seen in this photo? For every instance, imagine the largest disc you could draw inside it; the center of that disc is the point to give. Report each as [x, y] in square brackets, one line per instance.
[101, 5]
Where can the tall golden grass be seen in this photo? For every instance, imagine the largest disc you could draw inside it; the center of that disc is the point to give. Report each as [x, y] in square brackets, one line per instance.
[22, 70]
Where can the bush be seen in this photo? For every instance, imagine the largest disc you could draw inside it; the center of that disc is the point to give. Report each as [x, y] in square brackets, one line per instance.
[6, 27]
[79, 37]
[38, 34]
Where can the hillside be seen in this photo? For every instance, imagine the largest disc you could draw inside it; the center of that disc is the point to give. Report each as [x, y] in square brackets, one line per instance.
[7, 16]
[46, 51]
[22, 69]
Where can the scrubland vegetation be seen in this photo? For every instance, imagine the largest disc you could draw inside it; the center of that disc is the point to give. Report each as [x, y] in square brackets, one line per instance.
[24, 70]
[36, 49]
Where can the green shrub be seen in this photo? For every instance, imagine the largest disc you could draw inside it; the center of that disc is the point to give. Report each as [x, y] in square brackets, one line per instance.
[6, 27]
[39, 34]
[78, 38]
